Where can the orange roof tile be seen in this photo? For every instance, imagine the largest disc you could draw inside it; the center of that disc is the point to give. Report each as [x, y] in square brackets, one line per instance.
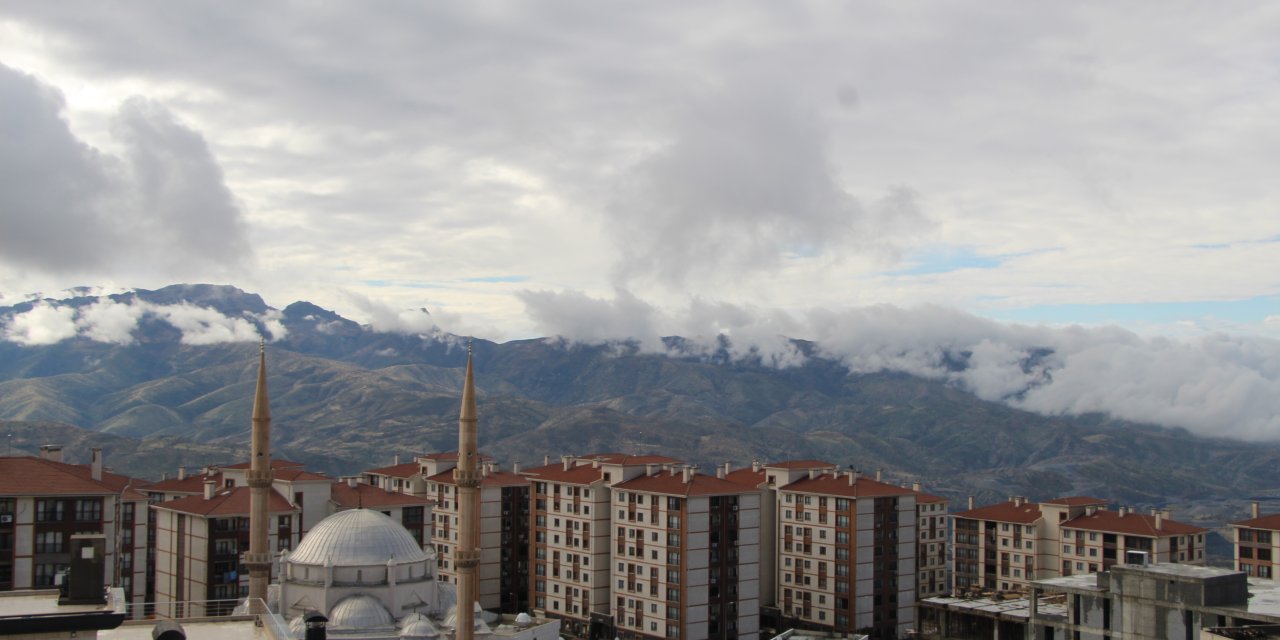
[1271, 522]
[370, 496]
[1129, 524]
[226, 502]
[32, 476]
[1077, 501]
[672, 483]
[800, 464]
[928, 498]
[622, 458]
[443, 455]
[581, 473]
[838, 485]
[491, 479]
[405, 470]
[299, 474]
[745, 476]
[1028, 513]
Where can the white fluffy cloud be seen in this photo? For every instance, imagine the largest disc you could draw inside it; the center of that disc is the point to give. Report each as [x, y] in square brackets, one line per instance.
[1214, 385]
[108, 321]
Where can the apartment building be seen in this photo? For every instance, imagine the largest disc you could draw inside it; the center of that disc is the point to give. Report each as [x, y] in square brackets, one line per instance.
[1257, 543]
[1099, 538]
[686, 556]
[504, 533]
[1005, 546]
[199, 545]
[44, 501]
[572, 545]
[848, 554]
[934, 535]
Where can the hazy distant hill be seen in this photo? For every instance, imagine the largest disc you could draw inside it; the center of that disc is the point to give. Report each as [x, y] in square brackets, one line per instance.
[345, 398]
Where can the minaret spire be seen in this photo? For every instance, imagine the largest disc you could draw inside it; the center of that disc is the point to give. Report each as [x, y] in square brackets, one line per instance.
[466, 556]
[258, 558]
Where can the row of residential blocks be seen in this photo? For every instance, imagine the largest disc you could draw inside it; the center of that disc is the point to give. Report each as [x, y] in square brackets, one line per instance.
[613, 544]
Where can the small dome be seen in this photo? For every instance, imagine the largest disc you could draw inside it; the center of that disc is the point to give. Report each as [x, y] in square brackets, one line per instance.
[419, 628]
[359, 612]
[523, 619]
[357, 537]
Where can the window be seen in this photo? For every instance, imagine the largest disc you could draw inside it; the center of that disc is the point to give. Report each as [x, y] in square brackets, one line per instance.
[49, 542]
[48, 511]
[88, 509]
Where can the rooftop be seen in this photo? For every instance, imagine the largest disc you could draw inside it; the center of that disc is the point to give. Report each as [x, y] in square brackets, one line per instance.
[1077, 501]
[673, 483]
[1130, 524]
[403, 470]
[365, 495]
[225, 502]
[839, 485]
[1265, 522]
[1020, 513]
[31, 476]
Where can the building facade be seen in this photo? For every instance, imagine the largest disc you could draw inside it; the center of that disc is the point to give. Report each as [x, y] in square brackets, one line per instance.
[1257, 544]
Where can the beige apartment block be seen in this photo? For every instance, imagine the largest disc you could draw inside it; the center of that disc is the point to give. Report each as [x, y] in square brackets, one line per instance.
[934, 539]
[686, 556]
[1005, 546]
[1257, 544]
[44, 501]
[848, 553]
[572, 544]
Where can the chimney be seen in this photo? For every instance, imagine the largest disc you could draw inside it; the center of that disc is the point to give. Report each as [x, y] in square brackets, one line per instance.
[95, 466]
[1017, 501]
[755, 466]
[352, 481]
[813, 473]
[915, 486]
[595, 463]
[1255, 510]
[51, 452]
[1123, 511]
[1090, 510]
[209, 488]
[853, 477]
[648, 469]
[182, 473]
[396, 460]
[566, 462]
[720, 470]
[687, 473]
[727, 468]
[1159, 520]
[971, 503]
[546, 460]
[515, 467]
[879, 475]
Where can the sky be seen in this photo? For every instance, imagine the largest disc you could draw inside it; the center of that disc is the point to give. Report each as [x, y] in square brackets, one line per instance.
[1086, 177]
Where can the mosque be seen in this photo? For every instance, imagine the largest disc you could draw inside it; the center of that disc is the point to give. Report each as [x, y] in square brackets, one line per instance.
[360, 575]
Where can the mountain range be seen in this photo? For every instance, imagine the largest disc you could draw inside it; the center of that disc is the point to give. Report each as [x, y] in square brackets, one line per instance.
[345, 397]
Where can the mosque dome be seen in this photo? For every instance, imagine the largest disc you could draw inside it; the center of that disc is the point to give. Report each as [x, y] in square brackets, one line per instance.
[417, 626]
[359, 612]
[357, 537]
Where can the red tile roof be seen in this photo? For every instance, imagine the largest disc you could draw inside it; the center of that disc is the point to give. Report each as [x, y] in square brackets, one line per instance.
[491, 479]
[31, 476]
[1129, 524]
[1265, 522]
[444, 455]
[371, 496]
[928, 498]
[405, 470]
[1028, 513]
[581, 473]
[276, 463]
[745, 476]
[672, 483]
[800, 464]
[299, 475]
[838, 485]
[1077, 501]
[226, 502]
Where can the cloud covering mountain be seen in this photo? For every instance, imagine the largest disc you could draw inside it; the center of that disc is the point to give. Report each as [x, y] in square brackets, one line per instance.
[1215, 385]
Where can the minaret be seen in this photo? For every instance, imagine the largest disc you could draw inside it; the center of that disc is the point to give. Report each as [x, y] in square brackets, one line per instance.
[258, 558]
[466, 555]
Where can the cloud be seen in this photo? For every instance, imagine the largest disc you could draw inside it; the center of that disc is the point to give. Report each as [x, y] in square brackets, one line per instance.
[68, 208]
[43, 324]
[106, 320]
[744, 181]
[383, 317]
[1215, 385]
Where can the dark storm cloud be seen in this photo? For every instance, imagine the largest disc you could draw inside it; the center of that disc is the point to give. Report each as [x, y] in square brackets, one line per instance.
[68, 208]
